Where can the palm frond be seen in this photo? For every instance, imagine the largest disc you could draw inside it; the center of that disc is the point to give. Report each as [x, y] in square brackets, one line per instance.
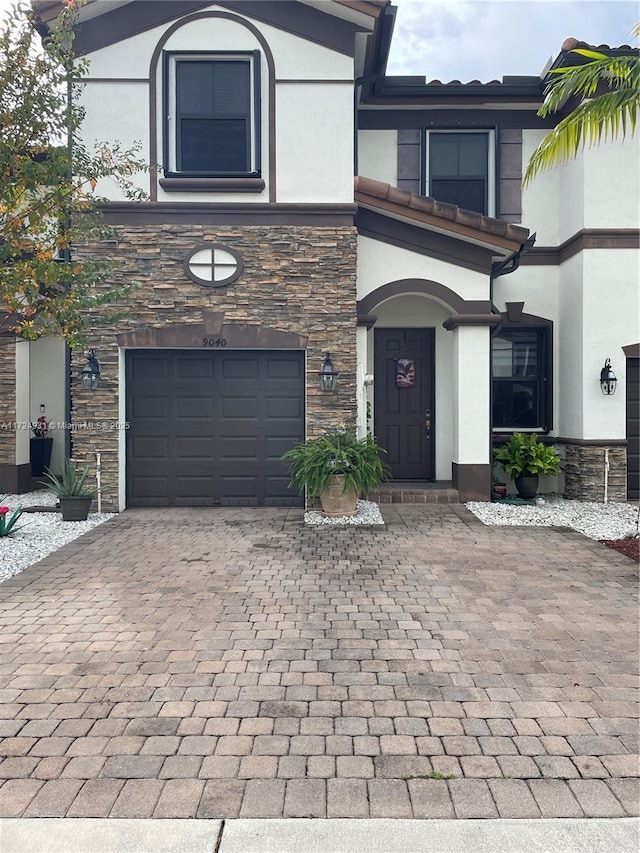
[599, 117]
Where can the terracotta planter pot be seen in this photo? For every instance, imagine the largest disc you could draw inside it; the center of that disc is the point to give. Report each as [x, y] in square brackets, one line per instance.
[335, 501]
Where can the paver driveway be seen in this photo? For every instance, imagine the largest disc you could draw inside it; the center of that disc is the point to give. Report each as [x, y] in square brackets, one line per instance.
[229, 662]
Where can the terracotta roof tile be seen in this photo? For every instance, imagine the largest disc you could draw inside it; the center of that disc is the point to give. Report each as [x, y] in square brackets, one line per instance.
[368, 190]
[572, 44]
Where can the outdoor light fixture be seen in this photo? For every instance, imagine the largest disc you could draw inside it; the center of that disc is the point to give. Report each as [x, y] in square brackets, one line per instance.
[90, 373]
[328, 375]
[608, 379]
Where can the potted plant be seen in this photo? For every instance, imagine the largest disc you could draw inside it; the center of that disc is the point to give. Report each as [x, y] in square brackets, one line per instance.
[72, 492]
[524, 458]
[498, 489]
[338, 468]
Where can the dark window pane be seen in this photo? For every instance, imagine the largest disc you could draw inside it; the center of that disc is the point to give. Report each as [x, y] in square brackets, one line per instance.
[219, 87]
[453, 155]
[443, 155]
[214, 145]
[471, 195]
[473, 154]
[515, 405]
[195, 87]
[467, 194]
[515, 355]
[231, 88]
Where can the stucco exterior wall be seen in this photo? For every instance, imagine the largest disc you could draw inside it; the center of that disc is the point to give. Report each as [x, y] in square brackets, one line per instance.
[380, 263]
[313, 106]
[611, 320]
[378, 155]
[583, 193]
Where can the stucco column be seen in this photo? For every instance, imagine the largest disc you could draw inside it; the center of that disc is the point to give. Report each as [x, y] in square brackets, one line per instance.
[471, 468]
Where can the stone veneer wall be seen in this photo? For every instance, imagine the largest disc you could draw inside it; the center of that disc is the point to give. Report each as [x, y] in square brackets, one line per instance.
[298, 279]
[7, 403]
[584, 473]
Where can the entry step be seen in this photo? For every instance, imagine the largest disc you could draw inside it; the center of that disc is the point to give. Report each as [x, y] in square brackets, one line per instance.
[415, 492]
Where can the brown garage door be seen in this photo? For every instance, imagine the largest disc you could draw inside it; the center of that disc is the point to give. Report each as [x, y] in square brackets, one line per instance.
[633, 428]
[208, 428]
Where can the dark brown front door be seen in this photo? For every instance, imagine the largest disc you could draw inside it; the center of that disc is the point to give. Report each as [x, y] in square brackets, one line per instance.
[209, 427]
[404, 401]
[633, 428]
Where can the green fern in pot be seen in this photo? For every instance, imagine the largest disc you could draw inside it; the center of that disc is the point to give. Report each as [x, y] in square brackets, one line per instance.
[337, 462]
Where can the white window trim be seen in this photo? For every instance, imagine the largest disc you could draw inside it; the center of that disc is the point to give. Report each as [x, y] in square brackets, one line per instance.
[491, 153]
[172, 112]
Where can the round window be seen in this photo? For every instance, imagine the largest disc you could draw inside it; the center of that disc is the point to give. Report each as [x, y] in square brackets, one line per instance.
[213, 265]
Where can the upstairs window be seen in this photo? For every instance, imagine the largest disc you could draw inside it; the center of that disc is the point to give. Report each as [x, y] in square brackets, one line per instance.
[213, 115]
[459, 169]
[521, 380]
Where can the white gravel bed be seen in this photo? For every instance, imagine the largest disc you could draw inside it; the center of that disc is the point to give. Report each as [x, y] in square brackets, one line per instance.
[40, 533]
[367, 512]
[595, 520]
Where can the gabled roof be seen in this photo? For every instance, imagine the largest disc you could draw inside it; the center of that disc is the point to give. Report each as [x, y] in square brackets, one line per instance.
[105, 22]
[426, 212]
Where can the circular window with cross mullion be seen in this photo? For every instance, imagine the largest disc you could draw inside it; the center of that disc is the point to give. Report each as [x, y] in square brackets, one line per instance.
[213, 265]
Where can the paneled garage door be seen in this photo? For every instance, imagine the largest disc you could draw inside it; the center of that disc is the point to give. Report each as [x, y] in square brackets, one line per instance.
[633, 428]
[208, 428]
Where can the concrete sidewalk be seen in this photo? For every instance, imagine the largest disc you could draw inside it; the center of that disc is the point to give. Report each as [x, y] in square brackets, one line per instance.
[319, 836]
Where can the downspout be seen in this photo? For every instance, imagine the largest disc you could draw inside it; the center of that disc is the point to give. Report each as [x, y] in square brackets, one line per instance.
[498, 269]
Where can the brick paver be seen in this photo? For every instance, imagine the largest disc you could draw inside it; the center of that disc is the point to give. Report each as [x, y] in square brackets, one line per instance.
[228, 662]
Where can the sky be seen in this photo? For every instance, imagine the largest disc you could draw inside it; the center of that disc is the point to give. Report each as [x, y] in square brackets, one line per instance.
[486, 39]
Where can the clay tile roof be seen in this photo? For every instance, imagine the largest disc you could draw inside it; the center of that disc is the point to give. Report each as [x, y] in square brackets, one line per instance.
[429, 211]
[573, 43]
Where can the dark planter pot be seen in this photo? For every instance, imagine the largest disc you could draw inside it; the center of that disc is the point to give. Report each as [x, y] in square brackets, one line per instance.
[527, 486]
[40, 455]
[75, 509]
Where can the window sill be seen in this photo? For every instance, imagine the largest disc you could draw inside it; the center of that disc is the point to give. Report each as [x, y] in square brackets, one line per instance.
[209, 185]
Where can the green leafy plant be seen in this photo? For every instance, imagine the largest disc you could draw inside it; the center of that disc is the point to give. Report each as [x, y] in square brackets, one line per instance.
[524, 455]
[607, 89]
[313, 463]
[71, 483]
[8, 520]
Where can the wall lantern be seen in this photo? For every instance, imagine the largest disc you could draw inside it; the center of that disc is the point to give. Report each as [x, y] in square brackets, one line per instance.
[328, 375]
[608, 379]
[90, 373]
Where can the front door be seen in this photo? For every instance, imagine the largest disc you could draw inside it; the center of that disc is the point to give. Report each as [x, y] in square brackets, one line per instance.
[404, 401]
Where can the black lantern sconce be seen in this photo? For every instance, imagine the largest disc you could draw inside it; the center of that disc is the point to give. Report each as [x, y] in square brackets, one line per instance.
[328, 375]
[90, 373]
[608, 380]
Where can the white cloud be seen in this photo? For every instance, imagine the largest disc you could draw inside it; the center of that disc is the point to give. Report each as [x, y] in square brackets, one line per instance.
[486, 39]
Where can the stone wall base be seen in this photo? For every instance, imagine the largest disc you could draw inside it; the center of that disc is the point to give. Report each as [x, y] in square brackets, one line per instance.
[584, 473]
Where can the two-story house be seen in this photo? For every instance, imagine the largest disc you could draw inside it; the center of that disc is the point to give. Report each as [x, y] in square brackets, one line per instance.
[303, 202]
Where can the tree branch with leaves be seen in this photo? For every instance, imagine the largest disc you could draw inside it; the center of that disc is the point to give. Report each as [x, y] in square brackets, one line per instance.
[48, 179]
[608, 88]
